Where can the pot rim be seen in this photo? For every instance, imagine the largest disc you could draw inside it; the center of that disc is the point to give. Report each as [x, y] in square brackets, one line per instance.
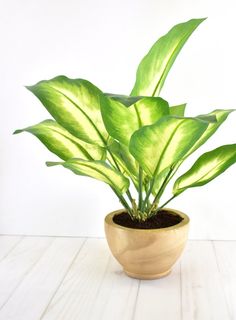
[185, 221]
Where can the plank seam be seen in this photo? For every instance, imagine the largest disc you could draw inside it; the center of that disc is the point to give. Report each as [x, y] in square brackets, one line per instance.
[62, 279]
[93, 237]
[181, 291]
[221, 280]
[103, 277]
[12, 248]
[136, 301]
[24, 276]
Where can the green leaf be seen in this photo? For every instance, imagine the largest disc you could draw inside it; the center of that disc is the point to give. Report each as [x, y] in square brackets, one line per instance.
[220, 115]
[62, 143]
[125, 160]
[178, 110]
[206, 168]
[99, 170]
[150, 109]
[215, 119]
[165, 173]
[75, 105]
[159, 180]
[126, 100]
[154, 67]
[159, 146]
[121, 122]
[208, 117]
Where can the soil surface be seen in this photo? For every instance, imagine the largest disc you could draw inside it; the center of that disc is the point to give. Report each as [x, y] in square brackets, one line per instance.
[162, 219]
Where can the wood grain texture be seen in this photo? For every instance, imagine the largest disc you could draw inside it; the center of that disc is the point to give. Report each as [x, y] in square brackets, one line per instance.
[32, 296]
[147, 254]
[75, 278]
[226, 260]
[16, 265]
[92, 286]
[115, 286]
[160, 299]
[202, 294]
[7, 244]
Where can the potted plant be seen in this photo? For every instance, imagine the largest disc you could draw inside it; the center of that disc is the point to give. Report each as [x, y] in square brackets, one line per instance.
[135, 143]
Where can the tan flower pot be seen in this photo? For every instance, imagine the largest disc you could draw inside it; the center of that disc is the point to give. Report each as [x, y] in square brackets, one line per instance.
[146, 254]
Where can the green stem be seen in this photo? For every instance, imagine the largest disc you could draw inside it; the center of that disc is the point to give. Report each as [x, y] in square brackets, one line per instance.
[162, 188]
[146, 187]
[173, 172]
[113, 159]
[123, 201]
[174, 169]
[129, 195]
[140, 190]
[148, 193]
[118, 168]
[166, 203]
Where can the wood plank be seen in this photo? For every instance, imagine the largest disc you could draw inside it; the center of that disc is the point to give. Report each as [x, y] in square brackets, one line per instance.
[93, 287]
[160, 299]
[77, 293]
[46, 278]
[116, 291]
[226, 260]
[8, 243]
[18, 263]
[202, 294]
[42, 281]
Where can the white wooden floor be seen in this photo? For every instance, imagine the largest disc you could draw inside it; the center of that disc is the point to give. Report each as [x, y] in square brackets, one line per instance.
[76, 278]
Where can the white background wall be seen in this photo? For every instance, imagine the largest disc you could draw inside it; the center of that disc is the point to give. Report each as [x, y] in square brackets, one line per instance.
[103, 41]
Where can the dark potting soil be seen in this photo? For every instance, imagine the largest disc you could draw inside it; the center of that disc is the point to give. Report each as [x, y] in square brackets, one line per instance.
[162, 219]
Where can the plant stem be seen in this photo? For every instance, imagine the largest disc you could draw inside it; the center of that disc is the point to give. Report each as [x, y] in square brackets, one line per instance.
[162, 188]
[129, 195]
[166, 203]
[174, 169]
[148, 194]
[123, 201]
[113, 158]
[118, 168]
[140, 190]
[146, 187]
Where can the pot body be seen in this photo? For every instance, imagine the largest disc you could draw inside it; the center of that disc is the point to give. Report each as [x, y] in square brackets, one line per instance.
[146, 253]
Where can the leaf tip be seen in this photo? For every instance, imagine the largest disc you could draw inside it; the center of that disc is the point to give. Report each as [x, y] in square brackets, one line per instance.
[51, 163]
[201, 19]
[30, 88]
[17, 131]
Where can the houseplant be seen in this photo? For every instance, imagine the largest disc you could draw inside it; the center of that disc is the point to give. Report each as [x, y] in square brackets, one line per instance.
[136, 140]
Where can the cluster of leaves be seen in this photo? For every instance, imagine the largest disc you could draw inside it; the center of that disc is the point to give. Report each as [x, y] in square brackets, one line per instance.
[136, 139]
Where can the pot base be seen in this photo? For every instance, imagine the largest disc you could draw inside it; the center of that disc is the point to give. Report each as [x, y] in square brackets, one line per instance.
[147, 276]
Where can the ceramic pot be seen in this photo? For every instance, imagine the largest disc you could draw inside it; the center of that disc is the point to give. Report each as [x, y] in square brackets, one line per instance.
[146, 253]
